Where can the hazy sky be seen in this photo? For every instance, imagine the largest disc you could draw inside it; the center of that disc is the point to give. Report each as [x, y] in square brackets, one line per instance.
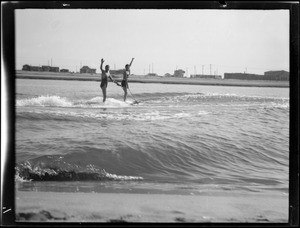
[230, 40]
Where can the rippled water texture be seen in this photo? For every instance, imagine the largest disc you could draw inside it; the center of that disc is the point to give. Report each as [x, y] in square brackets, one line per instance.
[232, 137]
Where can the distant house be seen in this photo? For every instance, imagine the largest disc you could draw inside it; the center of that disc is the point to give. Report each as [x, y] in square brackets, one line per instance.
[243, 76]
[32, 68]
[86, 69]
[49, 69]
[205, 76]
[168, 75]
[54, 69]
[64, 70]
[152, 74]
[179, 73]
[26, 67]
[35, 68]
[281, 75]
[46, 68]
[117, 72]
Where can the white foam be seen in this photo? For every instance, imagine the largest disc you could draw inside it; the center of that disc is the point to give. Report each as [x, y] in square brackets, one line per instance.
[111, 102]
[277, 105]
[45, 101]
[203, 113]
[182, 115]
[112, 176]
[141, 116]
[96, 99]
[223, 94]
[19, 179]
[246, 96]
[119, 177]
[97, 102]
[57, 101]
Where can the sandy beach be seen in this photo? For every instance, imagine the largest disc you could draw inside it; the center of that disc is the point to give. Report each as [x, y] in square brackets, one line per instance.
[149, 79]
[126, 207]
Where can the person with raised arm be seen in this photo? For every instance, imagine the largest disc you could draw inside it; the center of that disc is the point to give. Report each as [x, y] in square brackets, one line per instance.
[104, 79]
[125, 78]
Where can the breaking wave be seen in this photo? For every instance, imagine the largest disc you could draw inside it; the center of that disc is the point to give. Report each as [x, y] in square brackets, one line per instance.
[54, 170]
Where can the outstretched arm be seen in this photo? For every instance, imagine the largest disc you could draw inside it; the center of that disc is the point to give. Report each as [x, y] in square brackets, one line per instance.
[101, 66]
[131, 62]
[111, 78]
[114, 81]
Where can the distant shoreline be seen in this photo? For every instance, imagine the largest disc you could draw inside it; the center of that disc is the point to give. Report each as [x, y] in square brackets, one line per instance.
[149, 79]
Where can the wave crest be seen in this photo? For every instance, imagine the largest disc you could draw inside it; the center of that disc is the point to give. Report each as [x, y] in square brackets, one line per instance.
[57, 101]
[54, 172]
[45, 101]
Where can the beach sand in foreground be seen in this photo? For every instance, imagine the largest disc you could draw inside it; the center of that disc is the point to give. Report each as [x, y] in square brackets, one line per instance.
[126, 207]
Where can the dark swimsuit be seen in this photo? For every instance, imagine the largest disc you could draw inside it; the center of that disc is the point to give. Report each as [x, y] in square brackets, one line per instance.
[103, 82]
[124, 81]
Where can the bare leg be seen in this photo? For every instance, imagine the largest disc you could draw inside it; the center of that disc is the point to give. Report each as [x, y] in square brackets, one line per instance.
[104, 93]
[125, 93]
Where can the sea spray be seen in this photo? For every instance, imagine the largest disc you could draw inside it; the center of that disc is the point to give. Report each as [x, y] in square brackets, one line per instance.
[48, 100]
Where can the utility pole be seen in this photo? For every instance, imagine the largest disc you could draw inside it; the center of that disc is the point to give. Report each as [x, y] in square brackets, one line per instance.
[202, 69]
[195, 72]
[51, 61]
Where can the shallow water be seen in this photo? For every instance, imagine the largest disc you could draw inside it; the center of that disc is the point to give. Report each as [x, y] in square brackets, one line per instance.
[182, 138]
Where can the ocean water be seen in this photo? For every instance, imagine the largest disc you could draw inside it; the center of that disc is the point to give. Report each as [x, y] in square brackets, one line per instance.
[185, 139]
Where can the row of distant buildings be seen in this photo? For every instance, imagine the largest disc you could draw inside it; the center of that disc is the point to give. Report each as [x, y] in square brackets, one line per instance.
[177, 73]
[180, 74]
[281, 75]
[84, 69]
[268, 75]
[27, 67]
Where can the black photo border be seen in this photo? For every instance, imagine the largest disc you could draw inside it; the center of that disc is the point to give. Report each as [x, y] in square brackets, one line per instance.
[8, 78]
